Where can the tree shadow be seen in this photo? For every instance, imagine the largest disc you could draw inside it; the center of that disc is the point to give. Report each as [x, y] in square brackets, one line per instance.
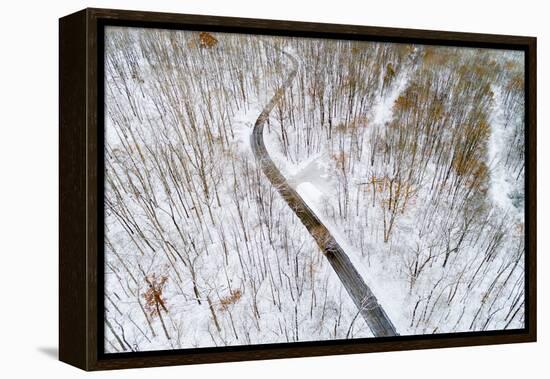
[50, 351]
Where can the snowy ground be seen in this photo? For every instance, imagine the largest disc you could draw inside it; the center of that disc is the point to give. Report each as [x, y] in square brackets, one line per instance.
[187, 202]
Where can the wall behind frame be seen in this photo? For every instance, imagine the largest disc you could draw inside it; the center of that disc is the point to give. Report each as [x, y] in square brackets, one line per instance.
[28, 159]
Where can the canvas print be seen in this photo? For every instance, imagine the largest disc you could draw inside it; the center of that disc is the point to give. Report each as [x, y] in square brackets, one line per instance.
[275, 189]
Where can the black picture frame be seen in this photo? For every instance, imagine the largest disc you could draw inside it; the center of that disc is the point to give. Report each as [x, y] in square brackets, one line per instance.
[81, 188]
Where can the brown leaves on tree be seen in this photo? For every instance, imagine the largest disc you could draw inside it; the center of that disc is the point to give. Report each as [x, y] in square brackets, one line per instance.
[154, 301]
[516, 82]
[435, 56]
[233, 297]
[322, 237]
[390, 74]
[340, 160]
[207, 40]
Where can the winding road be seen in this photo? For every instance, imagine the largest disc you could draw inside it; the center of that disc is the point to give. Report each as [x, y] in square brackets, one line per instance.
[361, 294]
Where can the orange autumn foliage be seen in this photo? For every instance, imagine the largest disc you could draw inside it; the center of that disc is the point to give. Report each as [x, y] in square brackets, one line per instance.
[154, 299]
[207, 40]
[232, 298]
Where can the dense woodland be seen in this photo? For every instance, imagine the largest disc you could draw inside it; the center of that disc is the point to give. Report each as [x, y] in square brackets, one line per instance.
[412, 155]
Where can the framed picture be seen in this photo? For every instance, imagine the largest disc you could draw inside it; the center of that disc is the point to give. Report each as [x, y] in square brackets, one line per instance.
[238, 189]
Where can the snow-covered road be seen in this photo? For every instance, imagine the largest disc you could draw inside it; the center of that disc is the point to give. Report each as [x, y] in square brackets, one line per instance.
[366, 302]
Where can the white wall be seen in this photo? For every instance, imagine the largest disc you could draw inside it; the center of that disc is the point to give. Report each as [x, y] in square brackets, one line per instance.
[28, 193]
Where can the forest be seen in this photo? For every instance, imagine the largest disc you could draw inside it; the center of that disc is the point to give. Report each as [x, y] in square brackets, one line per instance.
[411, 157]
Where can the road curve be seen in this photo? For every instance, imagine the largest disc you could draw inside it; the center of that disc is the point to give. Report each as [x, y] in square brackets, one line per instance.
[362, 296]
